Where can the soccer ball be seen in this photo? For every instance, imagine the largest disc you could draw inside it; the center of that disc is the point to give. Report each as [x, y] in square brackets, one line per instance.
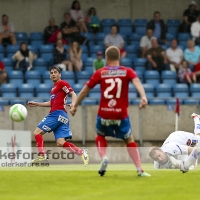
[18, 112]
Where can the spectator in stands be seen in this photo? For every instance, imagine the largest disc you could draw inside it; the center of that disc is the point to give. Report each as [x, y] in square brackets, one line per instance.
[51, 32]
[3, 74]
[189, 16]
[24, 57]
[115, 39]
[77, 15]
[60, 56]
[174, 56]
[75, 53]
[192, 54]
[145, 42]
[159, 28]
[70, 31]
[195, 30]
[156, 56]
[7, 34]
[99, 62]
[93, 21]
[185, 74]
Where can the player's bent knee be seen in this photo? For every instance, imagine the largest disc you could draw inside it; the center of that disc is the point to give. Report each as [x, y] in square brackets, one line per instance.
[60, 142]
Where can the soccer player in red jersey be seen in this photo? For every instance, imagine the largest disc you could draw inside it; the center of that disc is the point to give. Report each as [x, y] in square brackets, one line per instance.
[112, 118]
[57, 120]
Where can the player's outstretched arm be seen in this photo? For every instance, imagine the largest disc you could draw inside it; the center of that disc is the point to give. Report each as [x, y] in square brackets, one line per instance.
[136, 82]
[83, 93]
[39, 104]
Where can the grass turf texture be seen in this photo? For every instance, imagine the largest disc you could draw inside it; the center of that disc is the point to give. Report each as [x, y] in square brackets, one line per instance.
[76, 182]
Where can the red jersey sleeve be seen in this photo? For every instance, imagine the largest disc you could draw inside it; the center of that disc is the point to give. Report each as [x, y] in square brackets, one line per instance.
[131, 74]
[2, 66]
[66, 87]
[94, 80]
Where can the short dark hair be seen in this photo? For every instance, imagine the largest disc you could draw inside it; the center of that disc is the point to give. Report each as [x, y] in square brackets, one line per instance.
[114, 26]
[4, 15]
[153, 150]
[156, 12]
[66, 14]
[90, 11]
[113, 53]
[56, 68]
[22, 44]
[73, 5]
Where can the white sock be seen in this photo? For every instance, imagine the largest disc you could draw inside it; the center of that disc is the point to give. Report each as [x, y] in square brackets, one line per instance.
[195, 154]
[196, 126]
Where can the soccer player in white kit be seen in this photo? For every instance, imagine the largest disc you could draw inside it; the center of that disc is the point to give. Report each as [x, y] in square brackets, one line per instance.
[178, 144]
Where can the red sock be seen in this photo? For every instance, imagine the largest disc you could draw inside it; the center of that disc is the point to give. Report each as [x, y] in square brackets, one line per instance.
[40, 144]
[72, 148]
[134, 154]
[101, 145]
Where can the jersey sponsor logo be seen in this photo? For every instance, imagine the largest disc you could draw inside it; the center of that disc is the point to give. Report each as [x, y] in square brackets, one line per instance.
[52, 96]
[112, 103]
[108, 122]
[108, 73]
[62, 119]
[46, 128]
[66, 89]
[117, 110]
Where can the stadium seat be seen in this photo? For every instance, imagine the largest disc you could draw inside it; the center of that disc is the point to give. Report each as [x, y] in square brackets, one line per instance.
[180, 90]
[170, 82]
[167, 74]
[132, 95]
[41, 69]
[16, 82]
[88, 61]
[1, 56]
[164, 91]
[124, 22]
[26, 90]
[8, 90]
[84, 56]
[36, 36]
[139, 74]
[140, 68]
[33, 48]
[37, 42]
[169, 36]
[140, 22]
[149, 89]
[82, 81]
[132, 88]
[173, 31]
[2, 49]
[132, 49]
[125, 31]
[96, 88]
[89, 102]
[106, 30]
[7, 61]
[84, 75]
[126, 62]
[135, 37]
[108, 22]
[173, 23]
[184, 36]
[96, 48]
[95, 95]
[135, 102]
[191, 101]
[40, 62]
[67, 47]
[21, 36]
[195, 90]
[47, 56]
[4, 102]
[173, 101]
[152, 77]
[139, 62]
[48, 82]
[15, 74]
[140, 30]
[46, 48]
[12, 48]
[157, 102]
[84, 49]
[77, 87]
[10, 55]
[33, 82]
[32, 75]
[43, 90]
[100, 36]
[89, 36]
[17, 101]
[66, 75]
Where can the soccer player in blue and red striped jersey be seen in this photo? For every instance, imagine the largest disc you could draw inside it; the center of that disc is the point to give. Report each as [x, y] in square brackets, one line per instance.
[57, 120]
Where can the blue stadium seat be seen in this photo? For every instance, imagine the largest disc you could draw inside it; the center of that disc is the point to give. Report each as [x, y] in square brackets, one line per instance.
[7, 61]
[67, 47]
[132, 88]
[46, 75]
[77, 87]
[47, 56]
[164, 91]
[149, 89]
[157, 102]
[32, 75]
[37, 42]
[108, 22]
[21, 36]
[183, 47]
[67, 75]
[140, 22]
[2, 49]
[132, 95]
[169, 77]
[139, 74]
[152, 81]
[96, 88]
[132, 48]
[15, 74]
[170, 82]
[84, 56]
[191, 101]
[8, 90]
[89, 36]
[100, 36]
[139, 62]
[140, 68]
[33, 48]
[195, 90]
[96, 48]
[88, 61]
[125, 31]
[46, 48]
[184, 36]
[180, 90]
[16, 82]
[89, 102]
[173, 23]
[173, 31]
[95, 95]
[17, 101]
[12, 48]
[106, 30]
[131, 56]
[40, 62]
[8, 68]
[126, 62]
[4, 102]
[10, 55]
[135, 37]
[41, 69]
[135, 102]
[82, 81]
[70, 81]
[36, 36]
[140, 30]
[84, 49]
[124, 22]
[152, 76]
[43, 90]
[26, 90]
[33, 82]
[48, 82]
[1, 56]
[173, 101]
[169, 36]
[84, 75]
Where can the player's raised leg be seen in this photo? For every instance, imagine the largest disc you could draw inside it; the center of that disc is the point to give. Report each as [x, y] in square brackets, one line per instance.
[40, 146]
[132, 149]
[72, 148]
[196, 118]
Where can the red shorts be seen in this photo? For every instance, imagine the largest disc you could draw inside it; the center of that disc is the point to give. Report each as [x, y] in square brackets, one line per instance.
[122, 51]
[190, 75]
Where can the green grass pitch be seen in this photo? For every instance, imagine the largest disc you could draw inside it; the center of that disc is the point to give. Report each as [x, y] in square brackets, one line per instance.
[75, 182]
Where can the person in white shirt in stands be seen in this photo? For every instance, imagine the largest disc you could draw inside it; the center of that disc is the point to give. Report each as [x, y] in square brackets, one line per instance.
[145, 42]
[115, 39]
[176, 147]
[174, 55]
[195, 30]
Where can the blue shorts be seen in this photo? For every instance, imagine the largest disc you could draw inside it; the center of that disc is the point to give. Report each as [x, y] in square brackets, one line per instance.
[114, 128]
[58, 122]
